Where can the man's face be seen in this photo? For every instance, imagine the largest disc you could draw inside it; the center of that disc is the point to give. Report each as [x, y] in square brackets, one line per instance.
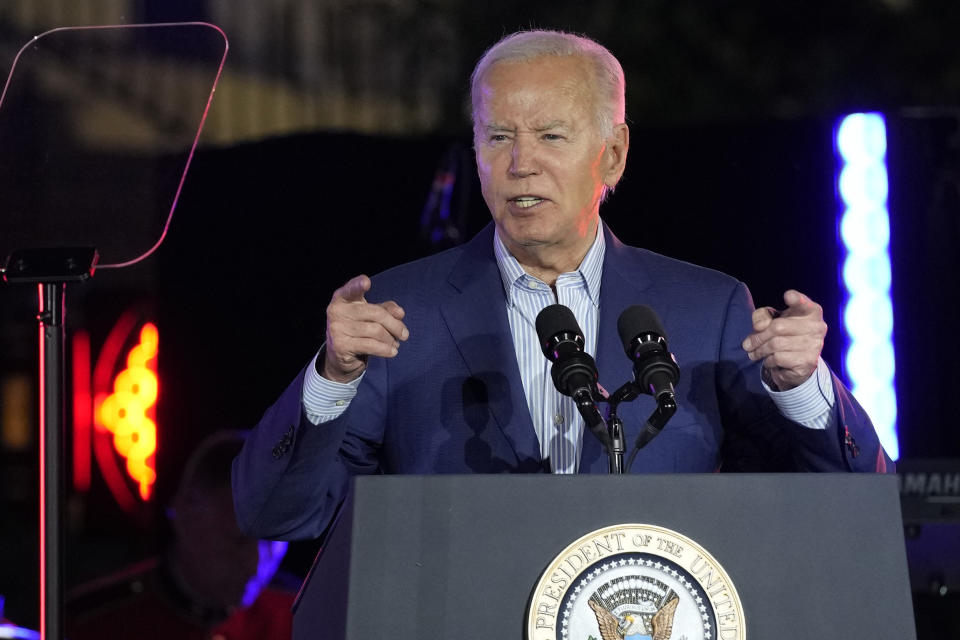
[542, 162]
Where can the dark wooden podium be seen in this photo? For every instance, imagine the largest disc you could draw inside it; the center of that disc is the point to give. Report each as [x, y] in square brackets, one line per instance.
[421, 557]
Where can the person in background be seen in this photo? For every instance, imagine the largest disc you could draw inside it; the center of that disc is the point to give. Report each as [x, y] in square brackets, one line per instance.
[213, 582]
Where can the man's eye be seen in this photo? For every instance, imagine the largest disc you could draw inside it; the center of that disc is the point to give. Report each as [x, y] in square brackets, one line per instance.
[498, 137]
[552, 137]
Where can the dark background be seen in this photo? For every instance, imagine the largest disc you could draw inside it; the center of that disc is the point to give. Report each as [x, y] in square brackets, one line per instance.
[732, 108]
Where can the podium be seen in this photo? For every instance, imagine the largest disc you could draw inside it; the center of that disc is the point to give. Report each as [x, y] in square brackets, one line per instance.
[421, 557]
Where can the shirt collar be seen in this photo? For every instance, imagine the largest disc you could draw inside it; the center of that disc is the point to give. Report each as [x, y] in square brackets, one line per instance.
[590, 270]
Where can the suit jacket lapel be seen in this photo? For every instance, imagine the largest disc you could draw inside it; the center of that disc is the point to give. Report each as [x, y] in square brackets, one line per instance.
[475, 313]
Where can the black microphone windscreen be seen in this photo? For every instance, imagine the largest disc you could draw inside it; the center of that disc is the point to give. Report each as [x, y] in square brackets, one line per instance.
[636, 320]
[553, 320]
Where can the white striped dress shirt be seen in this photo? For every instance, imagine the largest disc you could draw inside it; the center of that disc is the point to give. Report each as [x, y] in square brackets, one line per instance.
[556, 420]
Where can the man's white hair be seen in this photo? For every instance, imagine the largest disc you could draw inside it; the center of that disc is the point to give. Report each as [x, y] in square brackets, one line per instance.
[609, 103]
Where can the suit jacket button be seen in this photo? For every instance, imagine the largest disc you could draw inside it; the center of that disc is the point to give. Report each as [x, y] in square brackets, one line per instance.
[277, 452]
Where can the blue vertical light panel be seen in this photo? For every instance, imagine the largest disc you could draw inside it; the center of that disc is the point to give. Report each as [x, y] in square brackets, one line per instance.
[861, 144]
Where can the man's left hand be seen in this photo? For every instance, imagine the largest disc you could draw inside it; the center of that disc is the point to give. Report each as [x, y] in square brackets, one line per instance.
[789, 342]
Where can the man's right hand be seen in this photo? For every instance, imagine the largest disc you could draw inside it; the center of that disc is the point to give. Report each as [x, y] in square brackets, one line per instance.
[357, 329]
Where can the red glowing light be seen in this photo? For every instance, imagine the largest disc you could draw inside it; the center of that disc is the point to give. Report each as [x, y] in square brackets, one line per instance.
[129, 412]
[82, 411]
[110, 354]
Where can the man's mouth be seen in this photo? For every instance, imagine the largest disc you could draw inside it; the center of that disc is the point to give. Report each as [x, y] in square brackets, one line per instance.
[525, 202]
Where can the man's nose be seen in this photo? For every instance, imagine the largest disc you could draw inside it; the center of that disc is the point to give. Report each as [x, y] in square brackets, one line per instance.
[523, 161]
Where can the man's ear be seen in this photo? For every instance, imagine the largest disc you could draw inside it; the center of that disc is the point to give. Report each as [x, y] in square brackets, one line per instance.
[615, 160]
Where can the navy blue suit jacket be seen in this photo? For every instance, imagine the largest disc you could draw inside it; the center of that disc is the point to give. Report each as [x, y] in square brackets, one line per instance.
[452, 401]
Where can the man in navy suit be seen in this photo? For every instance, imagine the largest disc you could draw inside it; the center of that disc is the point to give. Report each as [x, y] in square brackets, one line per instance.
[434, 366]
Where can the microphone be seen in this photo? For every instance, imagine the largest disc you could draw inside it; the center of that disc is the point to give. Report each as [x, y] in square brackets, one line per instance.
[574, 371]
[654, 368]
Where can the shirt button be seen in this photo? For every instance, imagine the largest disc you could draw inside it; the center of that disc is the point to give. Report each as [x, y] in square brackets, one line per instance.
[339, 403]
[558, 419]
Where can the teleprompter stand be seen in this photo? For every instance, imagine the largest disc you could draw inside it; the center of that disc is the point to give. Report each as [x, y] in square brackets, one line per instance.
[51, 270]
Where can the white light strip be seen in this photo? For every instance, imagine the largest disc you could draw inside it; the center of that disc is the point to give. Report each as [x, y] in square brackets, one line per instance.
[865, 233]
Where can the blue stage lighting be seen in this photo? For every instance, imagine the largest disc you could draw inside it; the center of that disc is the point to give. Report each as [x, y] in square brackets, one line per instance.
[864, 228]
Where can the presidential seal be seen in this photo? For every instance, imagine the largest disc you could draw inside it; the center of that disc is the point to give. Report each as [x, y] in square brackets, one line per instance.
[635, 582]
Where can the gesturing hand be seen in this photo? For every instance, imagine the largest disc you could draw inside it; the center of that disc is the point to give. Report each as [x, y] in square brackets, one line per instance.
[789, 342]
[357, 329]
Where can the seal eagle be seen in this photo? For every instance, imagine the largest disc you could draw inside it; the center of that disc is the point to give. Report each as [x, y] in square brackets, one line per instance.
[633, 627]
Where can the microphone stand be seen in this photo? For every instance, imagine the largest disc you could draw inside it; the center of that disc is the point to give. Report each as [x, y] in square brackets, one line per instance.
[618, 443]
[586, 405]
[609, 432]
[615, 440]
[666, 407]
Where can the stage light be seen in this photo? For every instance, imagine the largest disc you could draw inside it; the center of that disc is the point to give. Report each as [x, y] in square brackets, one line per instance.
[123, 410]
[862, 138]
[864, 230]
[868, 317]
[128, 412]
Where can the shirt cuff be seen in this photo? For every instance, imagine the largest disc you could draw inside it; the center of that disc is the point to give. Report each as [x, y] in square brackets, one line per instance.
[325, 400]
[809, 404]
